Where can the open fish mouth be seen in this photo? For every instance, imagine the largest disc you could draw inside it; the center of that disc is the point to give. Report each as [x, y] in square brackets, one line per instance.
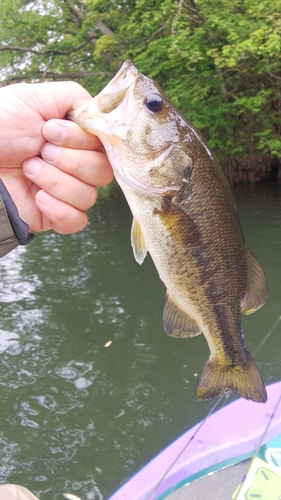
[92, 116]
[125, 77]
[106, 115]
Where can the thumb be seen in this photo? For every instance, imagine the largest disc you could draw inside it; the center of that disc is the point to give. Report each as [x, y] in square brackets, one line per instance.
[55, 99]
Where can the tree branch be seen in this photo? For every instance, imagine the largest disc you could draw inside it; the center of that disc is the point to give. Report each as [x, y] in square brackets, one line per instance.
[147, 40]
[79, 20]
[194, 10]
[76, 17]
[44, 52]
[104, 29]
[54, 76]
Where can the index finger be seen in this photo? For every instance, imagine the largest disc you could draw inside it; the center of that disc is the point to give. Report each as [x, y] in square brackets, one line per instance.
[70, 135]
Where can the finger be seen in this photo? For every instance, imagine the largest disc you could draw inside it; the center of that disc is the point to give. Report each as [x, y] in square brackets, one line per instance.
[70, 135]
[57, 183]
[59, 98]
[64, 218]
[89, 166]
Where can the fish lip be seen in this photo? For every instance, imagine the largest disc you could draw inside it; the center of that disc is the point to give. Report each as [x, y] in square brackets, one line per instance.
[89, 117]
[123, 80]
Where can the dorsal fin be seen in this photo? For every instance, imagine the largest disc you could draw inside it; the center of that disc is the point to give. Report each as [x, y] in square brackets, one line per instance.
[178, 323]
[257, 287]
[138, 243]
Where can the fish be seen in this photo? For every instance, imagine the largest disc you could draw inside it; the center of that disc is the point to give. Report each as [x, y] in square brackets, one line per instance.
[184, 215]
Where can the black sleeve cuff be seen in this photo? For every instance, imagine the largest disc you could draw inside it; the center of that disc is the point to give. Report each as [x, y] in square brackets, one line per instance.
[19, 226]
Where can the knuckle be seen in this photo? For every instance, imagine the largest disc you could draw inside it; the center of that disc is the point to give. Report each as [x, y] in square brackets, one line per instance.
[89, 198]
[54, 183]
[63, 218]
[74, 168]
[70, 221]
[71, 162]
[83, 141]
[76, 136]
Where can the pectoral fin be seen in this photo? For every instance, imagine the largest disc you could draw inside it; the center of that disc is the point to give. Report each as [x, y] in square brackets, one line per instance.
[138, 243]
[179, 225]
[176, 322]
[257, 287]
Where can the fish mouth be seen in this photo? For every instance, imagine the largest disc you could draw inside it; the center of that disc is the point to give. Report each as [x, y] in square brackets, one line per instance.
[89, 117]
[126, 75]
[92, 116]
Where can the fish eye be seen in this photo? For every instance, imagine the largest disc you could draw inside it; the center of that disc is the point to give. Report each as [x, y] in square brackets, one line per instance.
[154, 102]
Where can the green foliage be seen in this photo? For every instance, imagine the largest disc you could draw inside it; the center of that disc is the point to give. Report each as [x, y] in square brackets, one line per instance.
[218, 61]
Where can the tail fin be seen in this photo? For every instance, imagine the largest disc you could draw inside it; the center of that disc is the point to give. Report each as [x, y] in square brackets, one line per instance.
[243, 379]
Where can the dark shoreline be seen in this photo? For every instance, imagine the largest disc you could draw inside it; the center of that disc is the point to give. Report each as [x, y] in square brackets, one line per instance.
[261, 169]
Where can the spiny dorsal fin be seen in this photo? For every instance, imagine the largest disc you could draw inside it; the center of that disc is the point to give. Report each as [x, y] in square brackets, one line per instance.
[138, 243]
[176, 322]
[257, 287]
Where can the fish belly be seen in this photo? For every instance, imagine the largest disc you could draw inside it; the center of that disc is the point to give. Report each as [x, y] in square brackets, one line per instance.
[209, 293]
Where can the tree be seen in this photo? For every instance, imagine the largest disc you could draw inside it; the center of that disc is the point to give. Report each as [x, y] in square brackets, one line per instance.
[55, 40]
[218, 61]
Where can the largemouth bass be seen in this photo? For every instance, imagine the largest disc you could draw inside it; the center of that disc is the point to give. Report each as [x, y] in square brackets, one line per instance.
[185, 217]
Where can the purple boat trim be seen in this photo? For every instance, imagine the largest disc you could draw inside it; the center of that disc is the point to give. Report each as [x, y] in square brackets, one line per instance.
[232, 431]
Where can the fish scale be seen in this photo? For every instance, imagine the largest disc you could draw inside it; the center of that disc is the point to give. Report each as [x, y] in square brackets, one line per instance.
[185, 217]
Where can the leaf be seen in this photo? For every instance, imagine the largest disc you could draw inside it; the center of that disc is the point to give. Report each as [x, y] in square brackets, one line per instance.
[218, 61]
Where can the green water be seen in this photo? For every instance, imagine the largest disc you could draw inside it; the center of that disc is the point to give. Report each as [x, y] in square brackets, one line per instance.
[79, 417]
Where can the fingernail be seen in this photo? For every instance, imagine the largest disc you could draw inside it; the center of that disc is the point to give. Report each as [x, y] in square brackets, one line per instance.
[54, 132]
[32, 166]
[50, 152]
[44, 198]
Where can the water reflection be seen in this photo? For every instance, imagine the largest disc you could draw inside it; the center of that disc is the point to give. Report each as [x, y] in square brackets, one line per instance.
[8, 340]
[80, 417]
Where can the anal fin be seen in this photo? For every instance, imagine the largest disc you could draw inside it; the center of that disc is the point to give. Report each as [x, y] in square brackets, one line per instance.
[178, 323]
[257, 287]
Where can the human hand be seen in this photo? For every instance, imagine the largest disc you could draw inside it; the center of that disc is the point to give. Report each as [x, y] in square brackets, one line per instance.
[50, 166]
